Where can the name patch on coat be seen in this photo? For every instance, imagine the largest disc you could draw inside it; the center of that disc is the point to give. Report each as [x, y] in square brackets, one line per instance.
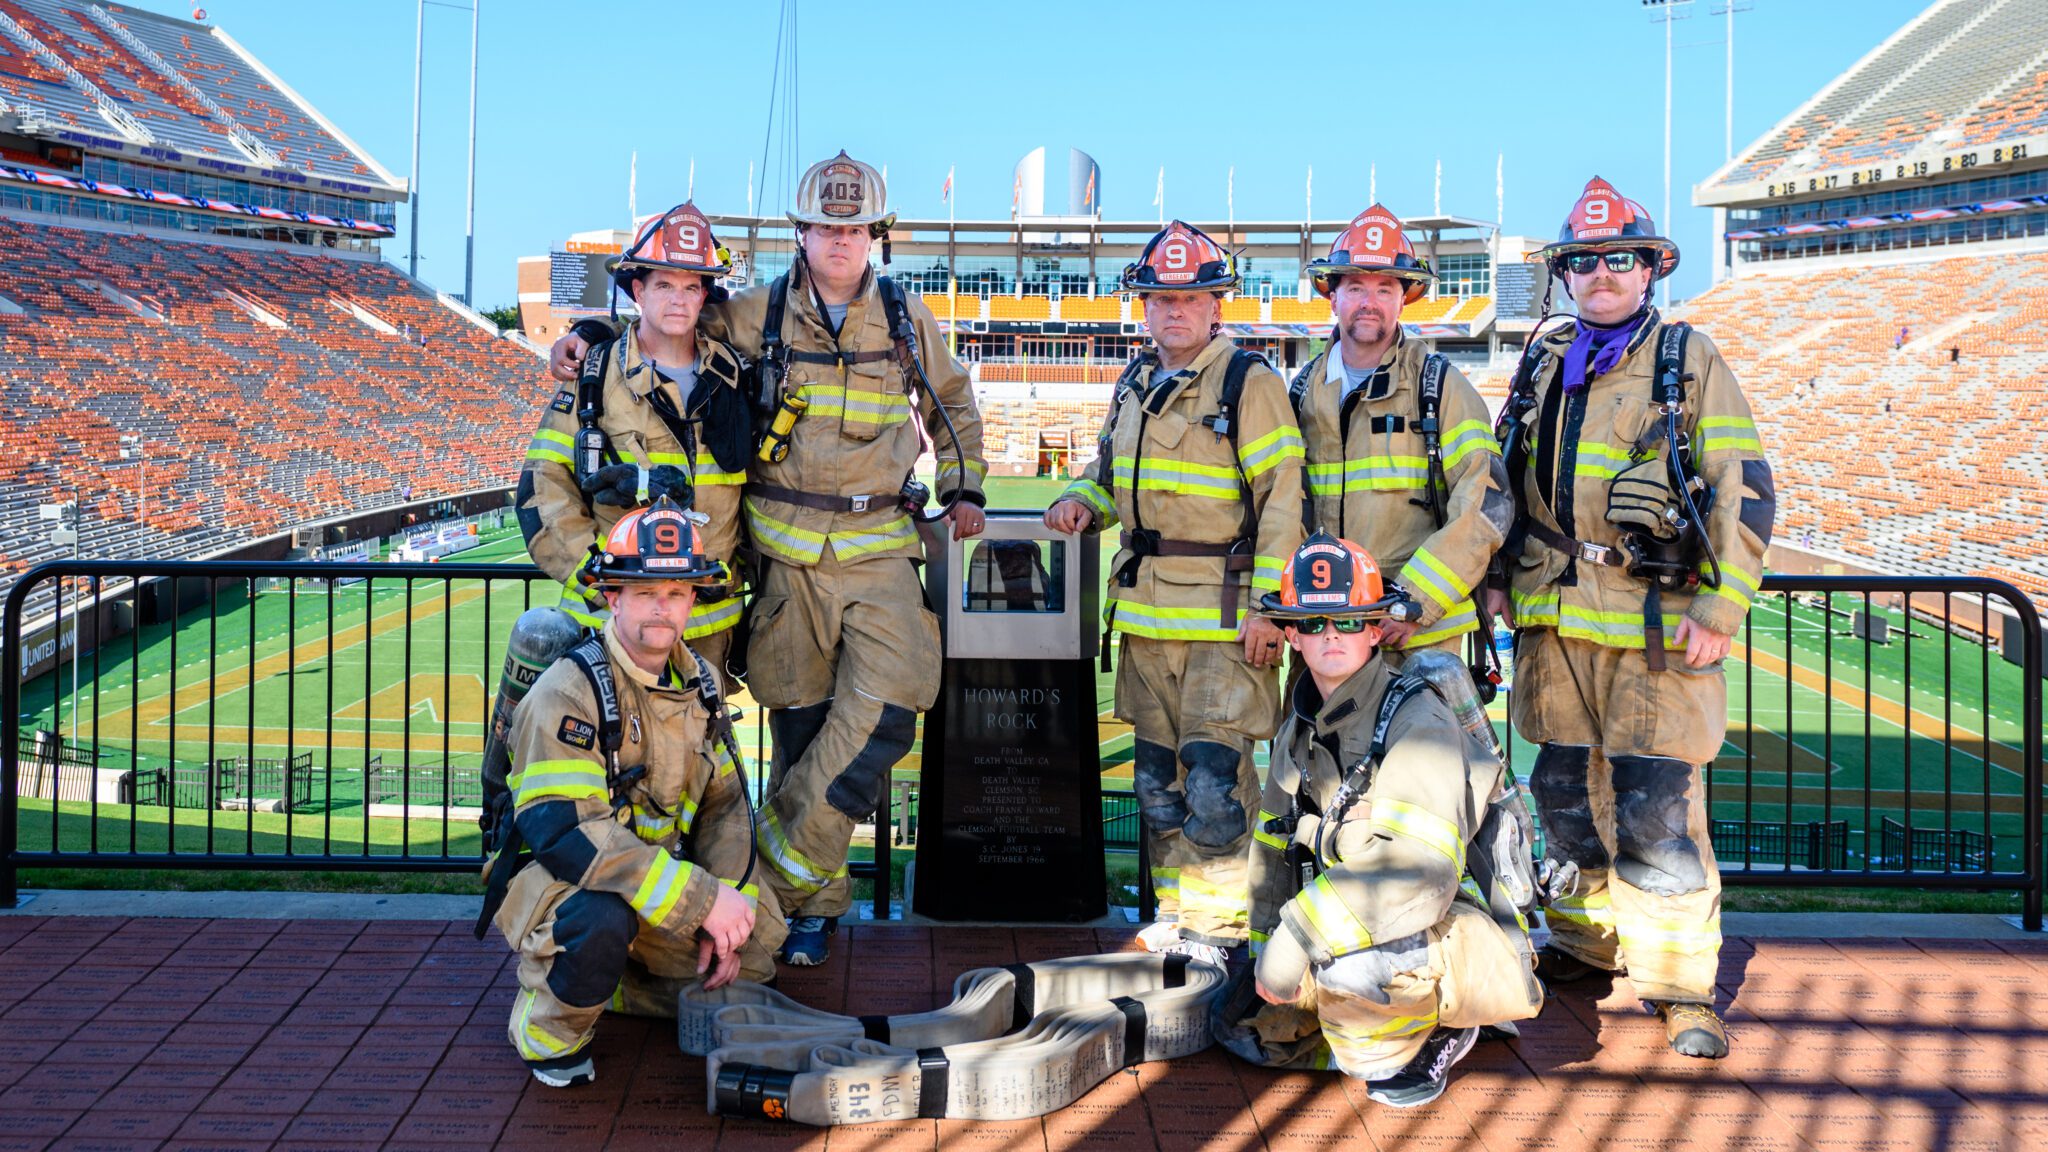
[564, 402]
[577, 734]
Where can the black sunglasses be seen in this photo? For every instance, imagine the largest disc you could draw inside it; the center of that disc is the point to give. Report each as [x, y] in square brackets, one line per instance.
[1584, 262]
[1312, 625]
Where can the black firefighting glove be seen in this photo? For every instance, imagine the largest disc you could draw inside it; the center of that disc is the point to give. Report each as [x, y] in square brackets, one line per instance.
[1641, 500]
[630, 486]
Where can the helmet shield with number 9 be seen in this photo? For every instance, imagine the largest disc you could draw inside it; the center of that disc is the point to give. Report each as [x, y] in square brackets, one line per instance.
[1604, 220]
[681, 239]
[658, 542]
[1329, 576]
[1372, 244]
[1181, 258]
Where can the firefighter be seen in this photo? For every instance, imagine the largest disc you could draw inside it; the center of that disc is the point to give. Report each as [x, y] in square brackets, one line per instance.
[630, 799]
[854, 379]
[1200, 464]
[664, 403]
[1391, 864]
[1401, 455]
[1645, 506]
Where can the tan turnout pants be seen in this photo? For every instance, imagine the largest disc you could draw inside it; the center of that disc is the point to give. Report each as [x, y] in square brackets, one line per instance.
[1619, 786]
[844, 656]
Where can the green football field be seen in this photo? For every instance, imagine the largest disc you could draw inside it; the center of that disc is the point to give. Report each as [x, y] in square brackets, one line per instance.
[386, 692]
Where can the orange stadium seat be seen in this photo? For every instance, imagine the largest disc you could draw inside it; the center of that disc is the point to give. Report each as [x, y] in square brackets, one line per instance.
[1019, 308]
[1098, 308]
[253, 428]
[1314, 310]
[1893, 454]
[1241, 310]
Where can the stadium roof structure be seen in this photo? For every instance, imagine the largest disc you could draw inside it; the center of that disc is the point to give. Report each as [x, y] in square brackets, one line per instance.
[111, 79]
[1962, 86]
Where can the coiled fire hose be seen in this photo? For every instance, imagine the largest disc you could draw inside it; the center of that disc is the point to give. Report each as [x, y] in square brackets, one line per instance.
[1016, 1042]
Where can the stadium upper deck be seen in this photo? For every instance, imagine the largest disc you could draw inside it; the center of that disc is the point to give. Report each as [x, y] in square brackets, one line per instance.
[1044, 290]
[1937, 136]
[113, 114]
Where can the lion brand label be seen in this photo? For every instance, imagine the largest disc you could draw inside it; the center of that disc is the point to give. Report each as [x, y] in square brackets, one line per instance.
[577, 733]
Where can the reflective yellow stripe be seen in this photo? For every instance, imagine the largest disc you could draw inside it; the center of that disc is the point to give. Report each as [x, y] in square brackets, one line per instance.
[896, 533]
[660, 888]
[1595, 912]
[1390, 1029]
[1435, 579]
[1737, 586]
[1600, 461]
[750, 891]
[1183, 479]
[786, 540]
[1260, 834]
[716, 618]
[794, 865]
[535, 1044]
[573, 779]
[1368, 474]
[1682, 937]
[1741, 435]
[704, 470]
[1340, 928]
[1266, 573]
[540, 450]
[1166, 880]
[1095, 496]
[1262, 455]
[1458, 623]
[1157, 623]
[1420, 824]
[1465, 438]
[1231, 905]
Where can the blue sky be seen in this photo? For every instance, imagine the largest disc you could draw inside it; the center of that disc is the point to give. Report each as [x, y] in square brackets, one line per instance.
[1563, 88]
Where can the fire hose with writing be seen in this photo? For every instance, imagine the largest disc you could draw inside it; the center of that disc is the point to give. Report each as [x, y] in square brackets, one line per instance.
[1016, 1042]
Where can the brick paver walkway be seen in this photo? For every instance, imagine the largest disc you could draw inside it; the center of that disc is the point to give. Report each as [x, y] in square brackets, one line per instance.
[120, 1034]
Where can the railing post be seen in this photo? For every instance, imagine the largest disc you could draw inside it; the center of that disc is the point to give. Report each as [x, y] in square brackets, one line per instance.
[10, 736]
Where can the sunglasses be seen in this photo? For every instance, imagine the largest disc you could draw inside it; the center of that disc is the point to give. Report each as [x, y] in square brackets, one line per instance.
[1584, 262]
[1313, 625]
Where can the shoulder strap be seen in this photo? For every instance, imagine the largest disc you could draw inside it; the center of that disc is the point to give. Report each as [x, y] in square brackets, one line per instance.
[596, 666]
[1297, 389]
[1437, 498]
[1671, 375]
[771, 321]
[590, 381]
[1225, 422]
[1359, 778]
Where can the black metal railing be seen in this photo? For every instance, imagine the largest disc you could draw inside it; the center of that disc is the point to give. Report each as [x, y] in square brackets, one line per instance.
[1883, 730]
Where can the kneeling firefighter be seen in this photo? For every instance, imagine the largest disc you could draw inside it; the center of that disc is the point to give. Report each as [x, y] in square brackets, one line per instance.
[1200, 463]
[1391, 868]
[1644, 509]
[658, 411]
[626, 869]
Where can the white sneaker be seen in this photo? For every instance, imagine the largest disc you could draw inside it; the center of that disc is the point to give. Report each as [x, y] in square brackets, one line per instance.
[1166, 938]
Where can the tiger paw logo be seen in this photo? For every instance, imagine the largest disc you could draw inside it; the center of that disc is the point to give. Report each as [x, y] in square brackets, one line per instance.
[774, 1110]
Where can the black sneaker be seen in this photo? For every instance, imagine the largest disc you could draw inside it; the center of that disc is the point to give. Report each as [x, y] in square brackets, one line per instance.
[1556, 966]
[1424, 1078]
[807, 946]
[571, 1071]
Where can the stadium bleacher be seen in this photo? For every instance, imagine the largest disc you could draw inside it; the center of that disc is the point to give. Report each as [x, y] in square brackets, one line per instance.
[249, 428]
[161, 72]
[1921, 455]
[1963, 72]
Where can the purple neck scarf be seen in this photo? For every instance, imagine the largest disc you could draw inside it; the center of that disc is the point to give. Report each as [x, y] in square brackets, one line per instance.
[1602, 346]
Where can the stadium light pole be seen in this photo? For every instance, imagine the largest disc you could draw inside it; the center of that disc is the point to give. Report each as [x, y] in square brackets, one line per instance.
[469, 224]
[1667, 11]
[419, 58]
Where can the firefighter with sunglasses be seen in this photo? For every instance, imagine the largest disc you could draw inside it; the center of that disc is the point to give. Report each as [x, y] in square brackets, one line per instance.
[1644, 509]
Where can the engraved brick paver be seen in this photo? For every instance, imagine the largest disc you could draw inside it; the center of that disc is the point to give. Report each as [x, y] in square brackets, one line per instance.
[161, 1035]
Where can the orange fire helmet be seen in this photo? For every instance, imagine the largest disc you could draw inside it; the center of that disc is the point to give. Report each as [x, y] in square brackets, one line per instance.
[658, 542]
[1329, 576]
[1604, 220]
[1373, 244]
[1181, 258]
